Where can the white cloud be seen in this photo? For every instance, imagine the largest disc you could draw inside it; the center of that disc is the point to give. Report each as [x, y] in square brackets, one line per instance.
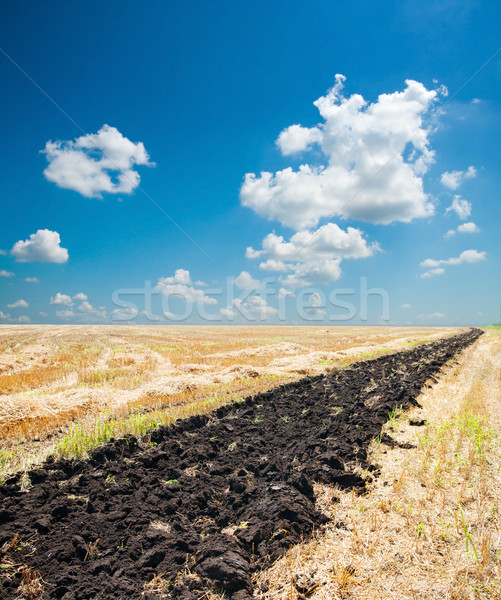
[432, 316]
[23, 319]
[96, 163]
[251, 308]
[4, 273]
[435, 267]
[81, 297]
[18, 304]
[464, 228]
[32, 279]
[311, 257]
[245, 281]
[468, 228]
[406, 306]
[61, 299]
[181, 285]
[4, 316]
[284, 293]
[374, 157]
[124, 314]
[42, 246]
[454, 179]
[296, 139]
[433, 272]
[461, 207]
[3, 252]
[65, 314]
[43, 314]
[88, 309]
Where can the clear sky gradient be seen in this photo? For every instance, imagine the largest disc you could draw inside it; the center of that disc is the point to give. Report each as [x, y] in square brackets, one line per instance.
[391, 181]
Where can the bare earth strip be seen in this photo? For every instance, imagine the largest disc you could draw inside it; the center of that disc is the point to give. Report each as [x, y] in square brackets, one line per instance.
[429, 527]
[94, 382]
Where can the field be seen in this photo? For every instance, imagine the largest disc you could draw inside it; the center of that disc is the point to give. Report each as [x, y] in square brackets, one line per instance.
[66, 389]
[373, 478]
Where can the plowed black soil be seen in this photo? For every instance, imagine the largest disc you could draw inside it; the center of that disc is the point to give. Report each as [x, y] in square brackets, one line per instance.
[210, 498]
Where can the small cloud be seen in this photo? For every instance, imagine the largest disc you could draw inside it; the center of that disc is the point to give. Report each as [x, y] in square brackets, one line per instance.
[4, 273]
[251, 308]
[461, 207]
[468, 228]
[4, 316]
[81, 297]
[61, 299]
[246, 282]
[476, 101]
[3, 252]
[65, 314]
[284, 293]
[96, 163]
[180, 285]
[18, 304]
[42, 246]
[432, 273]
[435, 267]
[23, 319]
[406, 306]
[453, 179]
[32, 279]
[43, 314]
[87, 308]
[124, 314]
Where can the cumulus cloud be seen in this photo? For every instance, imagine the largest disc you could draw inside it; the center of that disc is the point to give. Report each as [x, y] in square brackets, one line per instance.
[468, 228]
[464, 228]
[42, 246]
[453, 179]
[4, 273]
[81, 297]
[311, 257]
[61, 299]
[32, 279]
[96, 163]
[374, 155]
[251, 308]
[18, 304]
[436, 267]
[23, 319]
[88, 309]
[4, 316]
[180, 284]
[43, 314]
[461, 207]
[245, 281]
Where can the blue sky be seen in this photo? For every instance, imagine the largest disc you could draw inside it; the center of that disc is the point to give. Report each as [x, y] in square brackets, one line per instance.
[135, 139]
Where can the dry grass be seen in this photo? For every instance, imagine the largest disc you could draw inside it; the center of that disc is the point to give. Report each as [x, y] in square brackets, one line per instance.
[429, 527]
[71, 387]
